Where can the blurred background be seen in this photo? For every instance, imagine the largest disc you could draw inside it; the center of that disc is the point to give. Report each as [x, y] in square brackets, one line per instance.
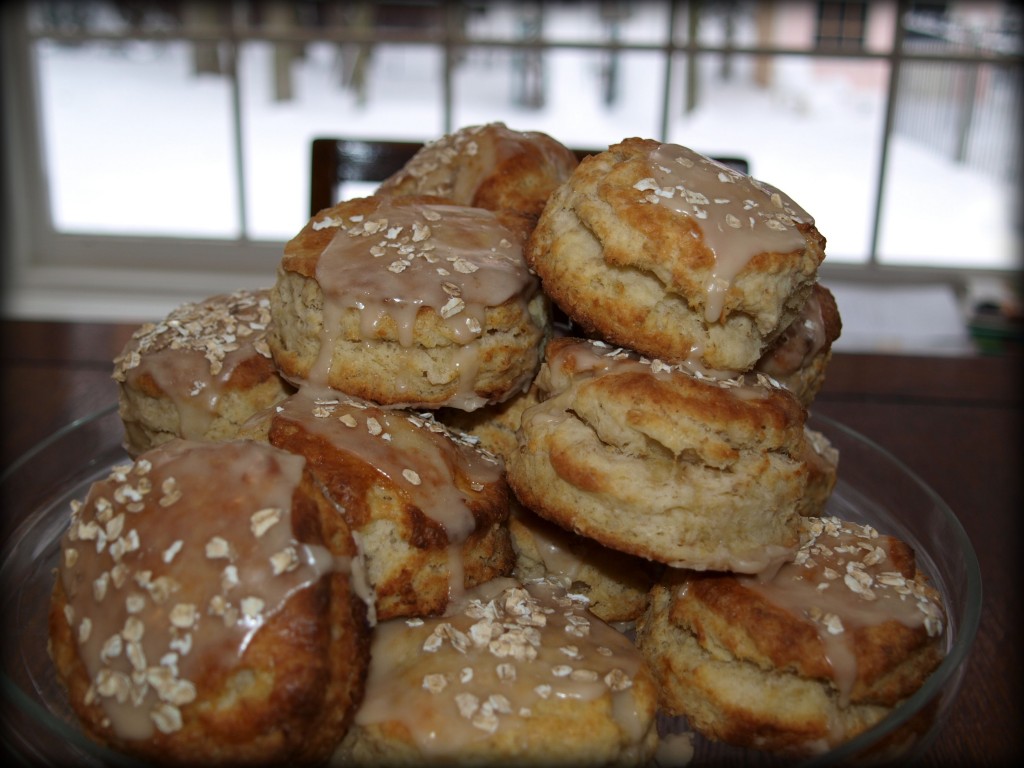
[157, 151]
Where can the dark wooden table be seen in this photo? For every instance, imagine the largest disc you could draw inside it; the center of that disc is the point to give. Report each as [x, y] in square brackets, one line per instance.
[956, 422]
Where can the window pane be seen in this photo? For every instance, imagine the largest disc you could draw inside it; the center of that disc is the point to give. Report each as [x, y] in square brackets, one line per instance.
[139, 136]
[135, 141]
[75, 17]
[811, 127]
[587, 99]
[951, 193]
[291, 95]
[795, 24]
[424, 16]
[611, 20]
[411, 20]
[586, 22]
[505, 21]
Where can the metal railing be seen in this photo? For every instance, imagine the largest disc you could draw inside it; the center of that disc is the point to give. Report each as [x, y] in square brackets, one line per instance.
[969, 112]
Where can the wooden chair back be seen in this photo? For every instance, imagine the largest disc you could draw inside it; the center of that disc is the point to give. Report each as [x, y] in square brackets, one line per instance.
[336, 161]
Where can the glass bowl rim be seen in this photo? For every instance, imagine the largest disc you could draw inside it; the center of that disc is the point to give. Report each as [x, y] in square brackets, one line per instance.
[953, 663]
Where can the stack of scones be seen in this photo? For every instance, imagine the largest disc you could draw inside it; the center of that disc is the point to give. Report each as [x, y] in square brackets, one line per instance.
[510, 459]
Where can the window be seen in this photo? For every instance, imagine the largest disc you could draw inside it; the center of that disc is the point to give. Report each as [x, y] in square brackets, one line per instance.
[164, 147]
[841, 25]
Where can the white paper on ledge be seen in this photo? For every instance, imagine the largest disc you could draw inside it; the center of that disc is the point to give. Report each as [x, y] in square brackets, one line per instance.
[907, 319]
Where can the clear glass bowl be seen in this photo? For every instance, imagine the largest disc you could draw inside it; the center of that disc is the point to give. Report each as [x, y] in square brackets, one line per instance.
[37, 490]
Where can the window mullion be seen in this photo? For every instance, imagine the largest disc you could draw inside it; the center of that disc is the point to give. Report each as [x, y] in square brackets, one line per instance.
[239, 137]
[239, 32]
[27, 194]
[692, 46]
[448, 75]
[669, 54]
[896, 55]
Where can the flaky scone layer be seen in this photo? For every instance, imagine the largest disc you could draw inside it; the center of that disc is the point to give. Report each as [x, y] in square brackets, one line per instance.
[652, 461]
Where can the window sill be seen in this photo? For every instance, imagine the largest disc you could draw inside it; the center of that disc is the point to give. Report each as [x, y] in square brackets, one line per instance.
[115, 294]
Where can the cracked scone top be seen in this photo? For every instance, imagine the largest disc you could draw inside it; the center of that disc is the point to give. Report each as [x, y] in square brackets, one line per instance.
[513, 674]
[203, 608]
[409, 301]
[657, 248]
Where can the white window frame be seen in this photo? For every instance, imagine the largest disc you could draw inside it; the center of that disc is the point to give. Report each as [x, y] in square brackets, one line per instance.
[51, 274]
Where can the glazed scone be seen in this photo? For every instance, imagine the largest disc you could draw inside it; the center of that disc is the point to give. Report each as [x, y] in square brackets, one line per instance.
[410, 301]
[613, 585]
[659, 249]
[515, 674]
[199, 373]
[647, 459]
[799, 357]
[801, 660]
[204, 613]
[487, 166]
[428, 507]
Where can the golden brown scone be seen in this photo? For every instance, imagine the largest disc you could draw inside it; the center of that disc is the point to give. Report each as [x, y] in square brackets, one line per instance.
[410, 301]
[513, 675]
[613, 585]
[495, 426]
[487, 166]
[203, 611]
[647, 459]
[798, 358]
[659, 249]
[199, 373]
[801, 660]
[428, 508]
